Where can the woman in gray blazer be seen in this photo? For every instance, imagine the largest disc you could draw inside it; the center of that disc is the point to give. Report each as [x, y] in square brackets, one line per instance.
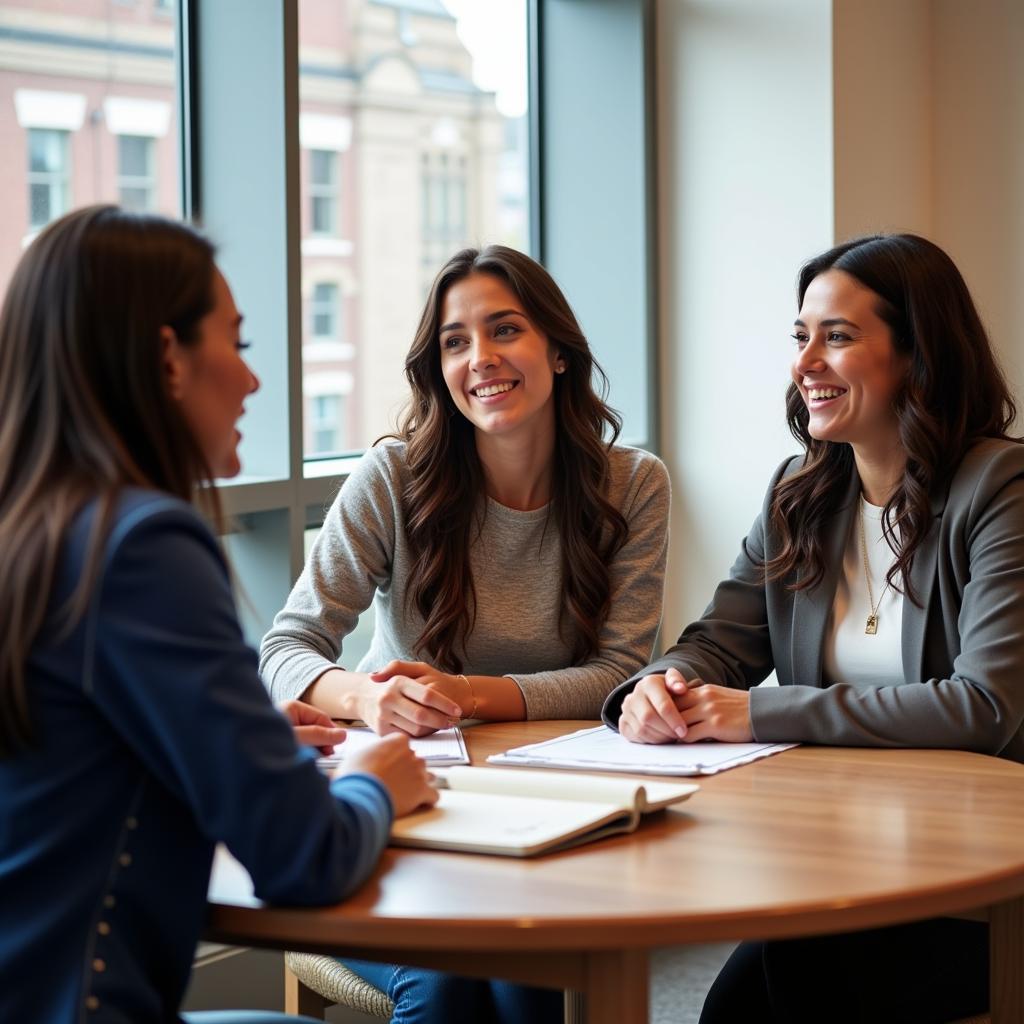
[882, 583]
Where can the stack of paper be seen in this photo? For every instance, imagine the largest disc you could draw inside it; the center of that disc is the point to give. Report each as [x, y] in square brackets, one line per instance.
[439, 748]
[604, 750]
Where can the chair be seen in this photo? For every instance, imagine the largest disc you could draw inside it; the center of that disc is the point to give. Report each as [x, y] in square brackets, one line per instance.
[314, 981]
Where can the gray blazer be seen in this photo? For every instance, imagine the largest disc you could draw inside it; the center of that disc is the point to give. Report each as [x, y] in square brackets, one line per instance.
[963, 650]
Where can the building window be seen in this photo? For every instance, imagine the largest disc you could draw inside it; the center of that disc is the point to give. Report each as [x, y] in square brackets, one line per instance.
[49, 175]
[136, 176]
[323, 311]
[323, 192]
[443, 208]
[325, 413]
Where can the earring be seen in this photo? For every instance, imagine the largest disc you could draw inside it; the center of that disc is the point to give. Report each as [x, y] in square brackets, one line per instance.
[560, 368]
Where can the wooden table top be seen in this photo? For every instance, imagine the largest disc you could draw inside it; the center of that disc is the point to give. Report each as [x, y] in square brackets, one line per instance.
[811, 840]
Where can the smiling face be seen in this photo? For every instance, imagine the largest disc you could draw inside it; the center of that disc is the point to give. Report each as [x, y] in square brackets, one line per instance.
[498, 366]
[846, 367]
[210, 380]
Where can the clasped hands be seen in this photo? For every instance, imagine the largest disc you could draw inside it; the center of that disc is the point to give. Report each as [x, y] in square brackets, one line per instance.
[414, 698]
[668, 709]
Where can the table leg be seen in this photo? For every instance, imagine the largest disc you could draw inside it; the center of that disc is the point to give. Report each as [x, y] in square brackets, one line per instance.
[1006, 945]
[617, 987]
[575, 1008]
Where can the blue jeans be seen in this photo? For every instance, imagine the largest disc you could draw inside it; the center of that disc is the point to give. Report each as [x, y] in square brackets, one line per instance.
[430, 997]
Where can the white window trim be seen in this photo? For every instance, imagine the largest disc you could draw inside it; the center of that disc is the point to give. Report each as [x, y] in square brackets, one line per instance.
[329, 382]
[325, 131]
[129, 116]
[40, 108]
[324, 350]
[325, 245]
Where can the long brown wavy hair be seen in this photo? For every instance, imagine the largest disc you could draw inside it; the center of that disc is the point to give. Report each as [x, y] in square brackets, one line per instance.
[442, 498]
[84, 408]
[954, 393]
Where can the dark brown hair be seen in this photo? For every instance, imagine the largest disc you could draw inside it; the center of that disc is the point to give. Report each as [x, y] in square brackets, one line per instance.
[954, 393]
[84, 408]
[442, 498]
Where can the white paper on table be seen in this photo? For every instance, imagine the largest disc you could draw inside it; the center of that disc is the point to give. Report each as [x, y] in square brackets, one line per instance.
[438, 749]
[604, 750]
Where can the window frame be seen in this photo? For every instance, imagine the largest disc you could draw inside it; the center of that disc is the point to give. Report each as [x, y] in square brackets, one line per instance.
[139, 182]
[317, 419]
[51, 180]
[329, 307]
[323, 194]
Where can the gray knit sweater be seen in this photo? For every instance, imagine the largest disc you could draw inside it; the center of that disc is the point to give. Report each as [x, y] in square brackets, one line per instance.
[362, 555]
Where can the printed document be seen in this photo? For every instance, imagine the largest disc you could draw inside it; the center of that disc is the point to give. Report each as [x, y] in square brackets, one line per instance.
[604, 750]
[444, 747]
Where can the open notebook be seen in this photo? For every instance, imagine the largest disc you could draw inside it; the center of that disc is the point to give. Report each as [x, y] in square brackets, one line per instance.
[522, 813]
[604, 750]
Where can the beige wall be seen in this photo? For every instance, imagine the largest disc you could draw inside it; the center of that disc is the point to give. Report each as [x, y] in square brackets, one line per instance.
[929, 115]
[744, 129]
[978, 214]
[784, 127]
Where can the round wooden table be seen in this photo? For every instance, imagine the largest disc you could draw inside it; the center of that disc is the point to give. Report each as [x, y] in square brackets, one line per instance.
[810, 841]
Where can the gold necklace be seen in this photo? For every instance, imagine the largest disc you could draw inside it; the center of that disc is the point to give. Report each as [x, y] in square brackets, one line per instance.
[871, 627]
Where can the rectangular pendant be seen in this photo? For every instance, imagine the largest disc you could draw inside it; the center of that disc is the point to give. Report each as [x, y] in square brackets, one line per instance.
[872, 625]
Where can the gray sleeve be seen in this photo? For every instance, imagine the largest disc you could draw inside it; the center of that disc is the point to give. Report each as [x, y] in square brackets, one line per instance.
[351, 557]
[637, 577]
[730, 644]
[980, 707]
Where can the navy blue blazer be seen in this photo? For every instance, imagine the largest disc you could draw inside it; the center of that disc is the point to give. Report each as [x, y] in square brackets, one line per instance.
[156, 739]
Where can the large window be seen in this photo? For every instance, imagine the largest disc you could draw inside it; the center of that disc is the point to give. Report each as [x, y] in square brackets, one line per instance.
[385, 112]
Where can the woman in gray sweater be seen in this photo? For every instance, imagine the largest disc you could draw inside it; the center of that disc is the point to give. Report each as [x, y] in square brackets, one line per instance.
[882, 583]
[514, 556]
[513, 553]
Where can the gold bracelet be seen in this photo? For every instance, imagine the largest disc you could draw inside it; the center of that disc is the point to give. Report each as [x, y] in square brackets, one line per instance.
[472, 693]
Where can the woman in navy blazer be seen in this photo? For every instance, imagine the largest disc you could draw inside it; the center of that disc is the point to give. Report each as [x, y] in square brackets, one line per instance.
[882, 582]
[134, 730]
